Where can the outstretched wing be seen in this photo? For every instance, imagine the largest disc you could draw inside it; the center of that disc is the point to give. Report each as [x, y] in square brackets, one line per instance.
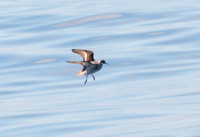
[87, 55]
[78, 62]
[81, 73]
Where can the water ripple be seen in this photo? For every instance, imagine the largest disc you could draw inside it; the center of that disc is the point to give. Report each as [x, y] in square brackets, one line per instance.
[150, 88]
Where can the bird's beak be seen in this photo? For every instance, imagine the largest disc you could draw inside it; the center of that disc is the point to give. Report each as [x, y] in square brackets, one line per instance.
[107, 63]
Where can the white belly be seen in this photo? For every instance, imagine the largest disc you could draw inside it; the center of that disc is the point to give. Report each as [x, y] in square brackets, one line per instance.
[90, 69]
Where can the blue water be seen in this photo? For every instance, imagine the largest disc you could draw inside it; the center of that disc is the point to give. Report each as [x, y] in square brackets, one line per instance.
[150, 89]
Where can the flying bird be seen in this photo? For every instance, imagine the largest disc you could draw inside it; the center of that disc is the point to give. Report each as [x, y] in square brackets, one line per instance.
[90, 66]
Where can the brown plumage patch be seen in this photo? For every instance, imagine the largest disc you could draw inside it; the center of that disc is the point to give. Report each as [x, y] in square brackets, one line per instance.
[87, 55]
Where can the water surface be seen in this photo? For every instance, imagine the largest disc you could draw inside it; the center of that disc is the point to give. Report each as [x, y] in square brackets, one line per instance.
[150, 88]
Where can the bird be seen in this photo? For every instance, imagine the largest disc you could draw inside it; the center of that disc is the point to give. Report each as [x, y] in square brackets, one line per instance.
[90, 66]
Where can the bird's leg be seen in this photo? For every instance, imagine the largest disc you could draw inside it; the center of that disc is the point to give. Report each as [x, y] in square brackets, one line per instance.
[86, 79]
[93, 76]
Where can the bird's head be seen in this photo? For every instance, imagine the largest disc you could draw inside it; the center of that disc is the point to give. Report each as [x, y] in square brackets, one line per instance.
[102, 62]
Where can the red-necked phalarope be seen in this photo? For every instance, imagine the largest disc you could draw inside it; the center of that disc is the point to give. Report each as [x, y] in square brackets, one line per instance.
[90, 66]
